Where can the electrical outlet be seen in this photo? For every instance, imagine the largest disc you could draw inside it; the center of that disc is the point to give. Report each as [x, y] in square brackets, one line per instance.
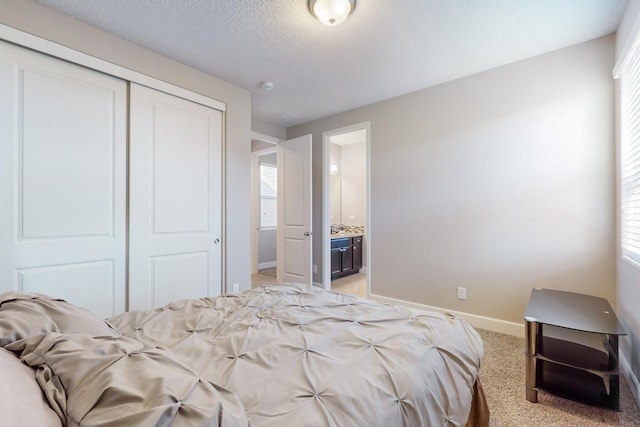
[315, 269]
[462, 293]
[235, 288]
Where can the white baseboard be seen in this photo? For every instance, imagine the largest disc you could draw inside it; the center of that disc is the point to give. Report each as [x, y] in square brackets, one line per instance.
[269, 264]
[482, 322]
[632, 380]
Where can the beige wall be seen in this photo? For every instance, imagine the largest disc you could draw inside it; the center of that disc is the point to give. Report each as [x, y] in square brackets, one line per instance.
[498, 182]
[268, 129]
[629, 272]
[257, 145]
[29, 16]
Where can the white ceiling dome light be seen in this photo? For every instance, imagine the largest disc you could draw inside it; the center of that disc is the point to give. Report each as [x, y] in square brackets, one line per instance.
[331, 12]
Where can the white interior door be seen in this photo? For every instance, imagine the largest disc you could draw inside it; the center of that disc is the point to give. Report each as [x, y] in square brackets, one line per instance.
[62, 181]
[294, 256]
[175, 202]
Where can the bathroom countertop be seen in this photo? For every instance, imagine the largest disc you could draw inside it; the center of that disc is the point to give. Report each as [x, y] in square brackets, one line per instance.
[343, 235]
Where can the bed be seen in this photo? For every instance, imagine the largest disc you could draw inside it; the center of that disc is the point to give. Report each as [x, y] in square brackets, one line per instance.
[280, 355]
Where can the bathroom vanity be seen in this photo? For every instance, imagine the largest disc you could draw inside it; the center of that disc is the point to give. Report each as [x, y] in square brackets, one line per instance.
[346, 254]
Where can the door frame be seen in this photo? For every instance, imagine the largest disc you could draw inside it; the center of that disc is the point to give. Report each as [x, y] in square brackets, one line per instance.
[326, 223]
[255, 193]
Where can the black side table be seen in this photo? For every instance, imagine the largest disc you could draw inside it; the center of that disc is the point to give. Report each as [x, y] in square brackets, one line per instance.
[571, 347]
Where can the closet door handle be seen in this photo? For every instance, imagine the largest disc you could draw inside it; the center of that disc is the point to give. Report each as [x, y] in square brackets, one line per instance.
[216, 241]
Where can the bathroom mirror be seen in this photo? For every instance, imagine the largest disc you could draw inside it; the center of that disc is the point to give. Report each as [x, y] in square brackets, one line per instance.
[335, 199]
[347, 183]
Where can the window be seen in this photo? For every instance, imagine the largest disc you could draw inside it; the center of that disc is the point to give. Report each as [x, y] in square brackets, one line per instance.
[630, 155]
[268, 196]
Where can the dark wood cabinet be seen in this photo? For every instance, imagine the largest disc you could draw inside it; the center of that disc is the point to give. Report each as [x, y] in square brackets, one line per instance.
[356, 256]
[341, 257]
[346, 256]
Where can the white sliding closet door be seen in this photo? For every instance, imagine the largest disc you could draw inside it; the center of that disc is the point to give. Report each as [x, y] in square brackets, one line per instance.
[175, 199]
[62, 180]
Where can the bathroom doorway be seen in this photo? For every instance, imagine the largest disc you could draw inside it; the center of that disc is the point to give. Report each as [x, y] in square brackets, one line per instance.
[346, 206]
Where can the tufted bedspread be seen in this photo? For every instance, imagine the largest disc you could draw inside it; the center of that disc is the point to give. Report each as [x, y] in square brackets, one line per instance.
[282, 355]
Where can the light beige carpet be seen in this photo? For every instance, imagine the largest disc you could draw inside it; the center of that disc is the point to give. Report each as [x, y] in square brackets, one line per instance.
[503, 378]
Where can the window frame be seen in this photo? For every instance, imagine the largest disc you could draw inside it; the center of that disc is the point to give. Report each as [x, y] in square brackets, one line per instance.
[629, 157]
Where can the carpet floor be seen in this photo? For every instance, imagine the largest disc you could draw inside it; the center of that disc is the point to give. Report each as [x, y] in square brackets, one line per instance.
[503, 379]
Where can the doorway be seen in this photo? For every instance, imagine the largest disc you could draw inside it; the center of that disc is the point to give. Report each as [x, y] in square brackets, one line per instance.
[346, 209]
[281, 206]
[263, 210]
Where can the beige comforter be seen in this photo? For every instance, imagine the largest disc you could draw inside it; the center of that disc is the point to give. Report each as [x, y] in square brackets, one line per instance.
[286, 355]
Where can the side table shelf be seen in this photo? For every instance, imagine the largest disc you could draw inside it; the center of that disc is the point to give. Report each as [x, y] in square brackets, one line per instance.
[571, 348]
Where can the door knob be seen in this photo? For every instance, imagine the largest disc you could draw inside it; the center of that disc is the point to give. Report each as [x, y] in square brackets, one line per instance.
[307, 233]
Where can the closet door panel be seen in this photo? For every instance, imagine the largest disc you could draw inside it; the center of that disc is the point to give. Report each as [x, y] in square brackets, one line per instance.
[175, 199]
[175, 276]
[181, 170]
[62, 180]
[65, 161]
[72, 279]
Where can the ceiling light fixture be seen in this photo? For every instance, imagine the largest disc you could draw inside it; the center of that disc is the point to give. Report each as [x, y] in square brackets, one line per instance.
[331, 12]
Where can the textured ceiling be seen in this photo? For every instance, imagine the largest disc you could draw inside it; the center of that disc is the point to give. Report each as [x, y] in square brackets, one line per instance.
[386, 47]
